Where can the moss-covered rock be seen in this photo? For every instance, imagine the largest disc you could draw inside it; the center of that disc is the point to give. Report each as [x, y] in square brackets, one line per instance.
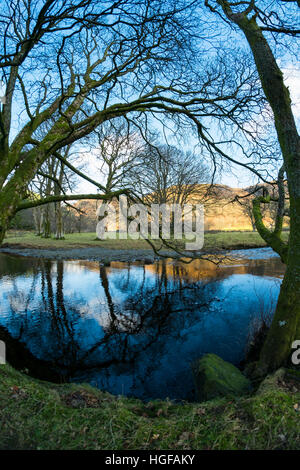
[215, 377]
[271, 381]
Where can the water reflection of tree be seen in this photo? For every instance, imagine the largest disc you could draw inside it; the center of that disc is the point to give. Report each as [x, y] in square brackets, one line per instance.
[148, 313]
[49, 313]
[62, 322]
[155, 308]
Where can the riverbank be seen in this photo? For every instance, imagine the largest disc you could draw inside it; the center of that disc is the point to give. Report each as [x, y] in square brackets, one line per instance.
[42, 415]
[86, 246]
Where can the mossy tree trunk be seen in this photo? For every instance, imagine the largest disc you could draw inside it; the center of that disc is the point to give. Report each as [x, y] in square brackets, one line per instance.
[46, 233]
[59, 226]
[9, 199]
[4, 223]
[285, 327]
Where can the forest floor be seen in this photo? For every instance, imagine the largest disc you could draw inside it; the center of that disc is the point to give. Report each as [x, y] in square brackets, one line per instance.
[42, 415]
[87, 246]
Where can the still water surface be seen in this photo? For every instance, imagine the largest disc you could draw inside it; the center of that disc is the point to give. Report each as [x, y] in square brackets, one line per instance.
[134, 329]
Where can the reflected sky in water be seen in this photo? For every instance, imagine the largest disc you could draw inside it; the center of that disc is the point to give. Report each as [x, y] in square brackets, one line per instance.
[134, 329]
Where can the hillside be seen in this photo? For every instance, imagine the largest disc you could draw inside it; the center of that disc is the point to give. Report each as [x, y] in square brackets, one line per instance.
[226, 208]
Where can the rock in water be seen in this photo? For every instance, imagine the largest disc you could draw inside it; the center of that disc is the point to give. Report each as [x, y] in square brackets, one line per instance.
[217, 378]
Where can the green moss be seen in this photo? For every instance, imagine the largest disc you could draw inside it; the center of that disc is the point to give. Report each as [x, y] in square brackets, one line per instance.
[217, 378]
[274, 238]
[41, 415]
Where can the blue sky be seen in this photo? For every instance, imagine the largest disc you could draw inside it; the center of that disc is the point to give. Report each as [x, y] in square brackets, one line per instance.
[235, 176]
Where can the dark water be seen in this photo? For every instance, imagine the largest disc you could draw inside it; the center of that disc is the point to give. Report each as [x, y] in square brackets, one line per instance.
[132, 329]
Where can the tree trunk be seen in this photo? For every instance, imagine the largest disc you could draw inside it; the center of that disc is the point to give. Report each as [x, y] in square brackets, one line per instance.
[4, 223]
[59, 235]
[285, 327]
[38, 220]
[58, 208]
[7, 213]
[46, 222]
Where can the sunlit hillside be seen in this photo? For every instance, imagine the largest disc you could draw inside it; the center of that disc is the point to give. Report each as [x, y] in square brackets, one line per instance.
[226, 208]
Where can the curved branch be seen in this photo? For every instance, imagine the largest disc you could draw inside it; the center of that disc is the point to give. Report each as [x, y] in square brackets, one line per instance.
[27, 204]
[272, 239]
[78, 172]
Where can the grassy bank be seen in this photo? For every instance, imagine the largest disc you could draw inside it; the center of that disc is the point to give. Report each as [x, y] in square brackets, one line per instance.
[220, 240]
[40, 415]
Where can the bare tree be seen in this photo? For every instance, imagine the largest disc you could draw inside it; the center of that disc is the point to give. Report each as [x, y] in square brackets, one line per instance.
[52, 179]
[116, 149]
[167, 175]
[78, 64]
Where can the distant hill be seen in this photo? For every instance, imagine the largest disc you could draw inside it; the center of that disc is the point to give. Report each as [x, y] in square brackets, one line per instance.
[226, 208]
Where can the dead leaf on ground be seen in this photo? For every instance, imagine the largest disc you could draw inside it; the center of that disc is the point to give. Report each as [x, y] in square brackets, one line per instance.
[81, 399]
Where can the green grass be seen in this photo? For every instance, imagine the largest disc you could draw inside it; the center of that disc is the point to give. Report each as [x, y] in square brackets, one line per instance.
[226, 240]
[72, 240]
[40, 415]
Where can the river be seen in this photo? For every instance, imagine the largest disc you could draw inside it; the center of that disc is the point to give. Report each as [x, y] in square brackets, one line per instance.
[130, 328]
